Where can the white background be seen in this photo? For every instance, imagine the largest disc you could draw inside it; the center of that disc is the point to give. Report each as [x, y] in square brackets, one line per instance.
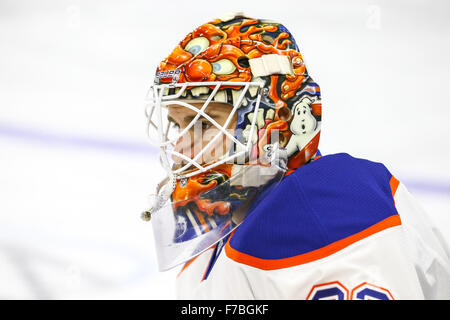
[75, 164]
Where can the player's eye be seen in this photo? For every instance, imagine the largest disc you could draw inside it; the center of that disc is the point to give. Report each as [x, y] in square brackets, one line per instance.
[205, 125]
[223, 66]
[197, 45]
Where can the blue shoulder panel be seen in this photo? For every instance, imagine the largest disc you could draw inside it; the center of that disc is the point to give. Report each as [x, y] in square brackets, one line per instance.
[332, 198]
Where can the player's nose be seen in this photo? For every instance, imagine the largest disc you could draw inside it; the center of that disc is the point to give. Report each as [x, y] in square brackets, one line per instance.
[187, 146]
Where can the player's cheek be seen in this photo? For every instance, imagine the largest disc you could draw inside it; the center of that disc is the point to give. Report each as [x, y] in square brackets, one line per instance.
[184, 145]
[213, 145]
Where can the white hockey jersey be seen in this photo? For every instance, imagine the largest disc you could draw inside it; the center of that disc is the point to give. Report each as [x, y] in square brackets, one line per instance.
[337, 228]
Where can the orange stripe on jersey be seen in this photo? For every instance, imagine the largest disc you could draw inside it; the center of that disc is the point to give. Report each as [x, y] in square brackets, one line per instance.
[187, 265]
[273, 264]
[394, 185]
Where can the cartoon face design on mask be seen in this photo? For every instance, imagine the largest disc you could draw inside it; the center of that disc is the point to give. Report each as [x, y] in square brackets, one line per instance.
[219, 51]
[204, 55]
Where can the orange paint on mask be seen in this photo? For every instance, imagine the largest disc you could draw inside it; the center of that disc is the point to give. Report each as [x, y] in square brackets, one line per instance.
[196, 185]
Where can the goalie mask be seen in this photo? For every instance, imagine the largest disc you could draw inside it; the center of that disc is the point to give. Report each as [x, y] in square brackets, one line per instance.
[232, 110]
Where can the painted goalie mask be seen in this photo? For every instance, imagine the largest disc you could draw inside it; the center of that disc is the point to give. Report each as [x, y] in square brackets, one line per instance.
[252, 72]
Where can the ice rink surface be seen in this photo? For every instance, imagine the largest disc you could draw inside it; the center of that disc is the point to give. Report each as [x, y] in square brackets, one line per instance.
[75, 164]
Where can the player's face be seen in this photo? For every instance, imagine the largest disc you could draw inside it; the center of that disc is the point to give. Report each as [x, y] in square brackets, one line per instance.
[202, 132]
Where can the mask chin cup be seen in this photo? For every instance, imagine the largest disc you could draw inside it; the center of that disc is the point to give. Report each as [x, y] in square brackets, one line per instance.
[184, 229]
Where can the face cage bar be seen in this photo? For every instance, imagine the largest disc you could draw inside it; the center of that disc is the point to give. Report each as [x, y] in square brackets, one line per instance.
[157, 99]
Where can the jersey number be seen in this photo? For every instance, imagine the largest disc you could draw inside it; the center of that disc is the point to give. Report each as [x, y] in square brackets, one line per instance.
[336, 291]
